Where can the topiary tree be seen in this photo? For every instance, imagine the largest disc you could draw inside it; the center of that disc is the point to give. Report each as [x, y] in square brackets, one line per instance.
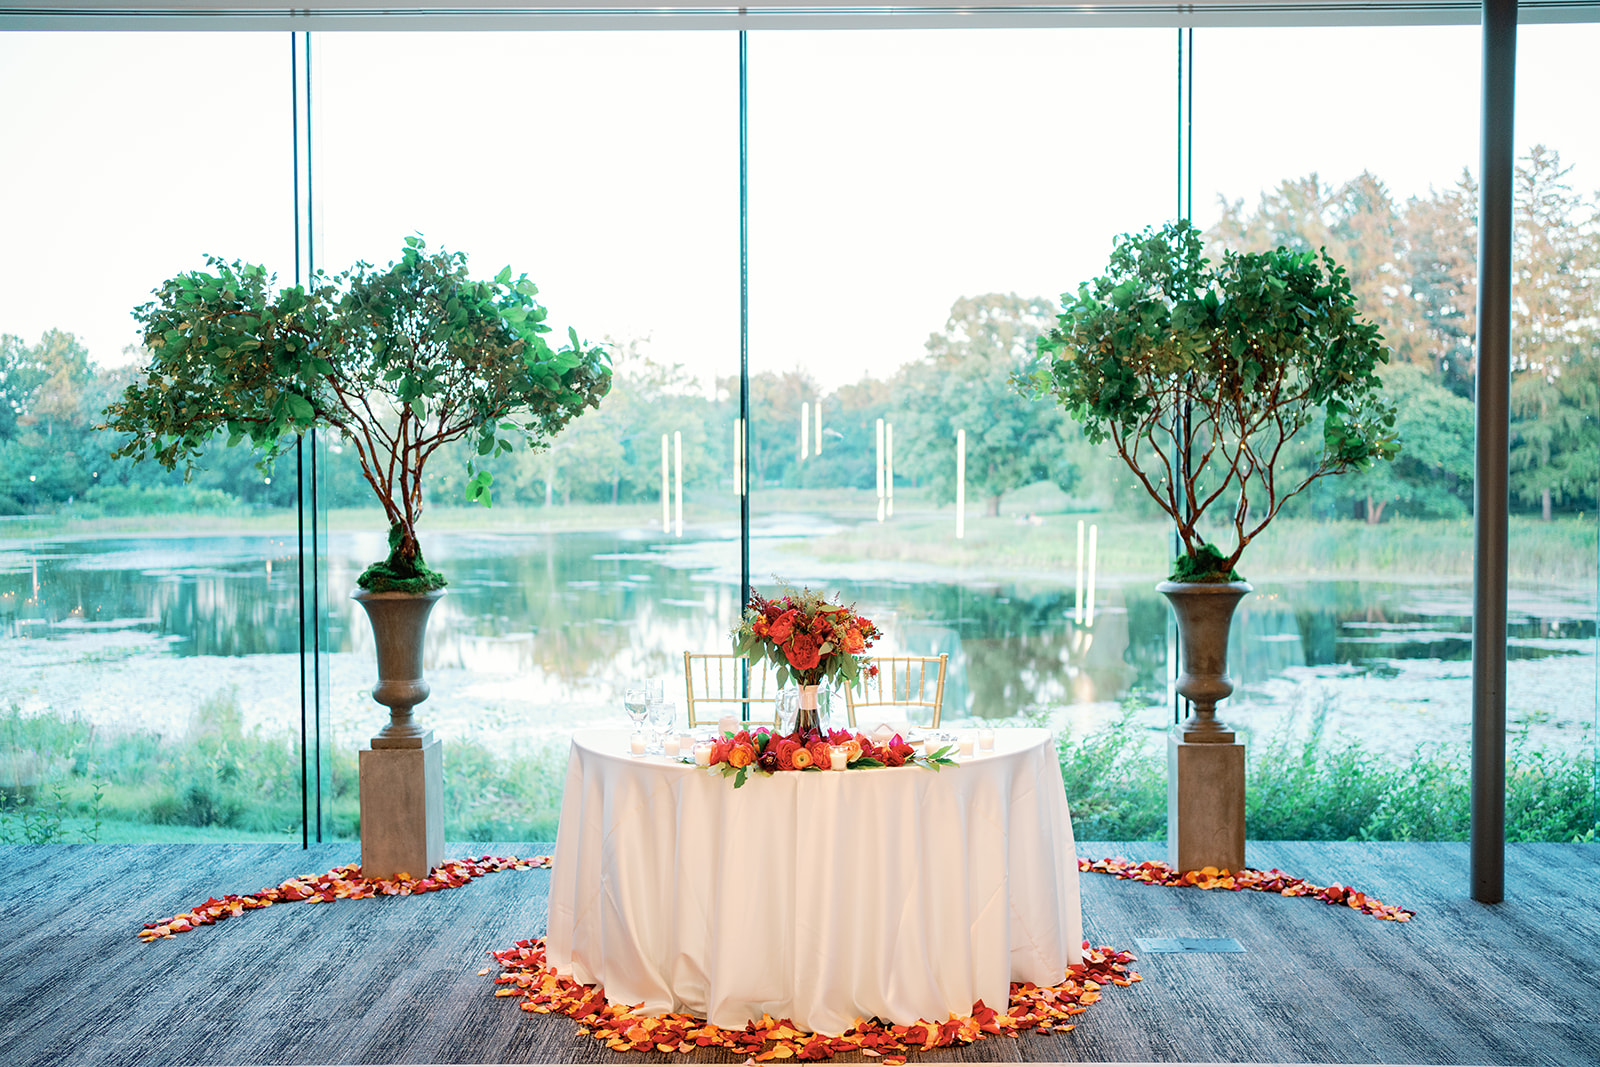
[399, 361]
[1200, 373]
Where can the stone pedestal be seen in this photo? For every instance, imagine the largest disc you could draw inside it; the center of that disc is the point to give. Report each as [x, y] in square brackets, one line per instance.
[402, 808]
[1205, 802]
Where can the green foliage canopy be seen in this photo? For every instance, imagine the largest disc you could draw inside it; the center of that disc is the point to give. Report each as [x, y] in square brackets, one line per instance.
[964, 382]
[400, 361]
[1200, 373]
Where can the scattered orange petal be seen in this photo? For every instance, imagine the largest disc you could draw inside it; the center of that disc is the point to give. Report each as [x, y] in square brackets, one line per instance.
[1154, 872]
[340, 883]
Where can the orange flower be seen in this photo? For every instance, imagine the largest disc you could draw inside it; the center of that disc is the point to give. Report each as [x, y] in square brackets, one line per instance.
[853, 642]
[821, 755]
[801, 758]
[760, 626]
[742, 754]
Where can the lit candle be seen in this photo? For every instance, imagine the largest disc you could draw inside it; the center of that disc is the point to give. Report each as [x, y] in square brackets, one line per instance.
[669, 747]
[840, 757]
[702, 755]
[728, 724]
[636, 744]
[966, 746]
[986, 740]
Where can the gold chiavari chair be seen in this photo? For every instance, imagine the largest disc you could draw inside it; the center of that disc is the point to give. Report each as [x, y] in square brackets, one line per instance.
[910, 684]
[715, 687]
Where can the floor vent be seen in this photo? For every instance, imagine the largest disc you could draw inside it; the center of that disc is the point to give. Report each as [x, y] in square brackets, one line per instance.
[1188, 944]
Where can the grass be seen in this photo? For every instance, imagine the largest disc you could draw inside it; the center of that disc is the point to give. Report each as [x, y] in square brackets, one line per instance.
[218, 783]
[1562, 552]
[1312, 789]
[64, 779]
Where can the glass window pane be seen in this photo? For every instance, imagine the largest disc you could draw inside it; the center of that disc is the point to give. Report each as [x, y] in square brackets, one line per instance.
[148, 628]
[605, 167]
[918, 202]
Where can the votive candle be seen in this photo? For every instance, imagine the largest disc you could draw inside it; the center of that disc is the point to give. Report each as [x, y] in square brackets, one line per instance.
[839, 757]
[702, 755]
[966, 746]
[986, 740]
[636, 744]
[669, 747]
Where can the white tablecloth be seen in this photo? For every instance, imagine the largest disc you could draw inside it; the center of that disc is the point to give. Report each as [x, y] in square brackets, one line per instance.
[901, 893]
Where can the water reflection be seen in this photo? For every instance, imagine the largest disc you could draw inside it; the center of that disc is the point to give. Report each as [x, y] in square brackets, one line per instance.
[541, 628]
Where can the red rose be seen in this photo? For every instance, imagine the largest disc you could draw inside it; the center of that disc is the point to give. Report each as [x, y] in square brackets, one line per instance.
[760, 627]
[821, 755]
[890, 757]
[719, 751]
[900, 748]
[782, 626]
[803, 652]
[785, 750]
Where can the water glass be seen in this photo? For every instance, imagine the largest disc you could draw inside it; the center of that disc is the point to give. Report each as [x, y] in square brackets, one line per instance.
[636, 702]
[663, 720]
[787, 705]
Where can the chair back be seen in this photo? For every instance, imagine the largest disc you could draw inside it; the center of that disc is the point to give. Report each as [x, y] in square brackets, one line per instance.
[913, 685]
[715, 687]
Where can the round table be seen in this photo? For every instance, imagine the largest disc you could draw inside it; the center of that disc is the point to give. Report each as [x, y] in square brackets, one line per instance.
[819, 897]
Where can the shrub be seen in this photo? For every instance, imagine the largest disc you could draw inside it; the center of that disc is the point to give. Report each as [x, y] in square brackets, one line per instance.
[1308, 789]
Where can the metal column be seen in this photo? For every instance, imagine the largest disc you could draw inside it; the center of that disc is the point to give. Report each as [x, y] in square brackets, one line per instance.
[1490, 498]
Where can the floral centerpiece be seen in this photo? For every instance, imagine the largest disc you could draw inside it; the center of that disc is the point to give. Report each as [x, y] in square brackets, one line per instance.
[737, 755]
[809, 640]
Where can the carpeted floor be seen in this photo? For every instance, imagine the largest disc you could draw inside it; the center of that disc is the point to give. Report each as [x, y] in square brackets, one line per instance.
[395, 980]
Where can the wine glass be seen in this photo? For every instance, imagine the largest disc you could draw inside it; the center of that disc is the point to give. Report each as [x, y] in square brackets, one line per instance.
[636, 702]
[663, 718]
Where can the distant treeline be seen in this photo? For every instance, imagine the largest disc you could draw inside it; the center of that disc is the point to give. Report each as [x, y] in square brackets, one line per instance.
[1412, 265]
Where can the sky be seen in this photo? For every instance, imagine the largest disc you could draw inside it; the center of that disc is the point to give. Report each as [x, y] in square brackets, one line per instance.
[891, 172]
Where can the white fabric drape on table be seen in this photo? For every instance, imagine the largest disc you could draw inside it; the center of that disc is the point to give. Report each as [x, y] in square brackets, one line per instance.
[823, 897]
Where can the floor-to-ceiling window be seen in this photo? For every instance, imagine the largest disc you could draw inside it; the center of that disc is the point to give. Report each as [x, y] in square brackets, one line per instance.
[919, 201]
[604, 166]
[149, 674]
[1553, 670]
[1355, 652]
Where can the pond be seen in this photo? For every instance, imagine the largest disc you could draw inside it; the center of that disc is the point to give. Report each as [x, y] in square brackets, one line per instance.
[539, 633]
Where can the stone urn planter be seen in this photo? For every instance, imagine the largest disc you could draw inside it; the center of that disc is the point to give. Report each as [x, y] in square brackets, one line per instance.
[1205, 764]
[402, 772]
[1205, 617]
[399, 626]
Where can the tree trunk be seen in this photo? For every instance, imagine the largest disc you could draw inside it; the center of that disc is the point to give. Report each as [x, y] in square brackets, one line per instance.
[1375, 510]
[993, 510]
[1544, 506]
